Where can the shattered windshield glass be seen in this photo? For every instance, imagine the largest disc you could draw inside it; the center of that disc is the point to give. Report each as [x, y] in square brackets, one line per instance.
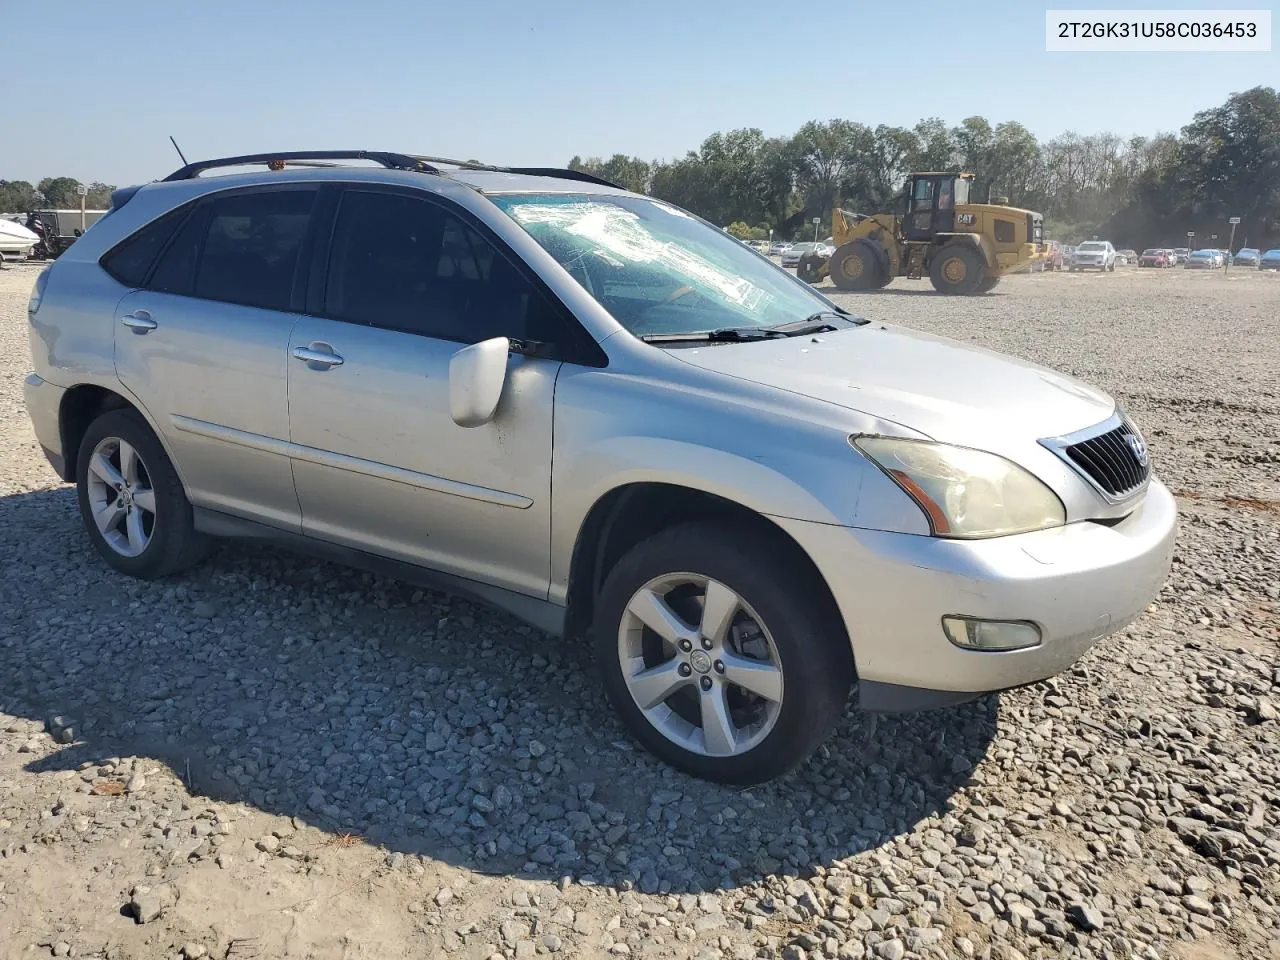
[657, 269]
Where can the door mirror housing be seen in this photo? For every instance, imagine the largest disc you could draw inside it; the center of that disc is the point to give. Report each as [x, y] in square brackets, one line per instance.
[477, 375]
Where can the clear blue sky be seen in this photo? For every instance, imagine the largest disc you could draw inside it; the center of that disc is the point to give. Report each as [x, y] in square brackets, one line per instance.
[536, 82]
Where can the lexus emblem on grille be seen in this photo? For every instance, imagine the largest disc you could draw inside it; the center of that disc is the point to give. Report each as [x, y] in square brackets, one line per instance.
[1138, 447]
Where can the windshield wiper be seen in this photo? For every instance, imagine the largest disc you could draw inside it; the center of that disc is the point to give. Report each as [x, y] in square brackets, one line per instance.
[722, 335]
[819, 322]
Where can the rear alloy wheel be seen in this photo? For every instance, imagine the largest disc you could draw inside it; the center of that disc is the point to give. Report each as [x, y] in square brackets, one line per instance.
[720, 658]
[957, 269]
[131, 499]
[856, 266]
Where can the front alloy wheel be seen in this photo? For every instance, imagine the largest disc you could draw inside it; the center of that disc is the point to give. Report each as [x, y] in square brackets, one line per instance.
[713, 689]
[722, 651]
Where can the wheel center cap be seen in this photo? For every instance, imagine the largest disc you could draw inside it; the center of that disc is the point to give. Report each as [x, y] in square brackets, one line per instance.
[700, 660]
[126, 496]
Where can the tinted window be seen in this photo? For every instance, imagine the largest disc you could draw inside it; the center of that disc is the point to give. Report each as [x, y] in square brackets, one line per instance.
[250, 247]
[175, 273]
[130, 261]
[407, 264]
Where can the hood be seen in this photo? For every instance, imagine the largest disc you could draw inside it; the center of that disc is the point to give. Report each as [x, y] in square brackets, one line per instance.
[946, 390]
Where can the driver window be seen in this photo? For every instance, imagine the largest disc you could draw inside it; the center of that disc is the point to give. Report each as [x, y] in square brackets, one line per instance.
[923, 195]
[944, 195]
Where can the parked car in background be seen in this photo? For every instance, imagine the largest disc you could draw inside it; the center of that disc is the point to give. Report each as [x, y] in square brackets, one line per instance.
[1156, 257]
[1247, 257]
[791, 256]
[1180, 254]
[777, 248]
[1094, 255]
[1202, 260]
[1269, 260]
[1122, 258]
[373, 361]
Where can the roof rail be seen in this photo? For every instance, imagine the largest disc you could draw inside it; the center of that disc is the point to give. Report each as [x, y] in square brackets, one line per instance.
[392, 161]
[564, 173]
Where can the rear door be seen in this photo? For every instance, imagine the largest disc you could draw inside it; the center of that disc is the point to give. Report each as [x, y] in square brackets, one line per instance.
[378, 461]
[203, 347]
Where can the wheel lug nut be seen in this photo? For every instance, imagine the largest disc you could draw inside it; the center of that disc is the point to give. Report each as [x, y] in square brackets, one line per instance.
[686, 646]
[684, 669]
[706, 683]
[706, 644]
[719, 666]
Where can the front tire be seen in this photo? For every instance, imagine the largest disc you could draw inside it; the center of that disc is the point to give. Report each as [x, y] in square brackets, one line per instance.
[856, 266]
[720, 654]
[131, 500]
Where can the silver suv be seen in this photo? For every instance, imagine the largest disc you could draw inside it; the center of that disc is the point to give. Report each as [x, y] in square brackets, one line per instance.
[600, 413]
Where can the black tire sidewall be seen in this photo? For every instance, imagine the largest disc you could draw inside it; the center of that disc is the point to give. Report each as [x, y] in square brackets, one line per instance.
[975, 269]
[173, 533]
[816, 658]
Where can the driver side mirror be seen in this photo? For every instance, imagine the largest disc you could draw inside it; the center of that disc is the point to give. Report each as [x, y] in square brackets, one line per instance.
[477, 375]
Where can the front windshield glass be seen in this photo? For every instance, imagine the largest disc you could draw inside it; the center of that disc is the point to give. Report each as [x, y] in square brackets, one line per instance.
[1092, 246]
[657, 269]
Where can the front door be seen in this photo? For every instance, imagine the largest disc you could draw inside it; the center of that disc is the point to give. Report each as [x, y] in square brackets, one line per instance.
[379, 463]
[203, 346]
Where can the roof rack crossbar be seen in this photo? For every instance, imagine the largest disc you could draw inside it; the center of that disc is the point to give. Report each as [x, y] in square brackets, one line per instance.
[392, 161]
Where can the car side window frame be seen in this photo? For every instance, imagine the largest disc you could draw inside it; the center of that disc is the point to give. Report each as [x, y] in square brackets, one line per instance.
[201, 208]
[577, 347]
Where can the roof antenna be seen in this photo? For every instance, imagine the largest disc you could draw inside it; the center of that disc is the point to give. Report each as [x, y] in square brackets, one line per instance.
[179, 149]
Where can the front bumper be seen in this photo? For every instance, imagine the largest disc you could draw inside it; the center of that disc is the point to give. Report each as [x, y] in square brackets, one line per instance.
[1077, 583]
[43, 400]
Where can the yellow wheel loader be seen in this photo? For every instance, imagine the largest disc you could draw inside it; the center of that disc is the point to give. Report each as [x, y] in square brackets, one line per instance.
[964, 248]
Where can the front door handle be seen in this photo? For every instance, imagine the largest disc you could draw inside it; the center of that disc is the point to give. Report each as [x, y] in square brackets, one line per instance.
[317, 359]
[139, 321]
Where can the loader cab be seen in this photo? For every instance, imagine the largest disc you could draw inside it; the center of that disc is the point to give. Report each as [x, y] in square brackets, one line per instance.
[931, 203]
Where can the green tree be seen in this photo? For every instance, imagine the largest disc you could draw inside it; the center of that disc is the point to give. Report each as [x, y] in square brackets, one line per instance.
[59, 192]
[17, 196]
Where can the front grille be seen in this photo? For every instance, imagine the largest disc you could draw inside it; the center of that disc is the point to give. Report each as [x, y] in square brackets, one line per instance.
[1115, 460]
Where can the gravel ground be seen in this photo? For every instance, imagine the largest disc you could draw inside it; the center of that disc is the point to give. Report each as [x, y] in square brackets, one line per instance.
[275, 757]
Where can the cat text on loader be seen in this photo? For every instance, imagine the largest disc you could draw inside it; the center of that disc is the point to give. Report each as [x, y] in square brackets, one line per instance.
[964, 247]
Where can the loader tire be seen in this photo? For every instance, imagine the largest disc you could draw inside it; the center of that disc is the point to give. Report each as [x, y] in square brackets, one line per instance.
[810, 268]
[857, 266]
[987, 285]
[958, 269]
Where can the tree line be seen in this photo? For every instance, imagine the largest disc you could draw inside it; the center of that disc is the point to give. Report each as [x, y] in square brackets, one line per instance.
[1136, 191]
[52, 193]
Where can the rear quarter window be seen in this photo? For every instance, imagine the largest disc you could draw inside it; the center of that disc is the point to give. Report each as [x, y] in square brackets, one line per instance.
[130, 260]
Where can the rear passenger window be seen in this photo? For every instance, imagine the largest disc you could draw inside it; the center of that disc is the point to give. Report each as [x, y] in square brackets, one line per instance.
[175, 273]
[130, 261]
[410, 265]
[248, 248]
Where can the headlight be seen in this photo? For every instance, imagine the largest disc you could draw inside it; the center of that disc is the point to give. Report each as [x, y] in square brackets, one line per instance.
[966, 494]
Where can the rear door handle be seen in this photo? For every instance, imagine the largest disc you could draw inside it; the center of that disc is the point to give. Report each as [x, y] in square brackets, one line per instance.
[317, 358]
[139, 321]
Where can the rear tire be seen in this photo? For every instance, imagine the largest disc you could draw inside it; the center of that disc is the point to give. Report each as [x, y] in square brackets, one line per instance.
[987, 285]
[957, 269]
[778, 632]
[857, 266]
[131, 500]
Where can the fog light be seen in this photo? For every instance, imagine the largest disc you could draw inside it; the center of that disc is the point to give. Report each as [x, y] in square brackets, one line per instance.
[973, 634]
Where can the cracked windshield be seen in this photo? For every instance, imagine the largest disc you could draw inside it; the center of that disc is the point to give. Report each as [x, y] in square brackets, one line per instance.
[657, 269]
